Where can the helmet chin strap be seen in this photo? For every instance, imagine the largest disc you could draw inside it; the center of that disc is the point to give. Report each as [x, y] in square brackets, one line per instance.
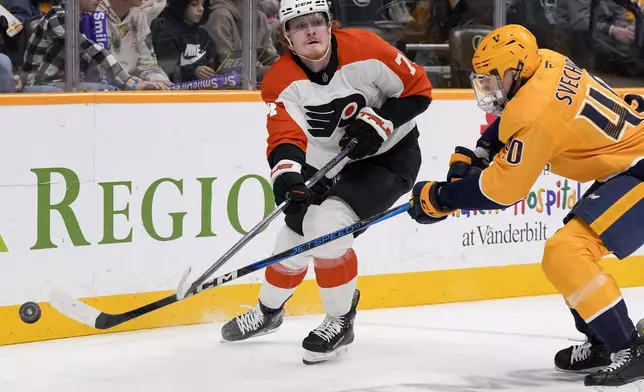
[516, 82]
[326, 54]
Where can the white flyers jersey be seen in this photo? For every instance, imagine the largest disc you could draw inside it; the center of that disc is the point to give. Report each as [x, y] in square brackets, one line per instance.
[313, 116]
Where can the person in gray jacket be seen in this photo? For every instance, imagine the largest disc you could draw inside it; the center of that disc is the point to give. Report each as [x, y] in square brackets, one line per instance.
[612, 29]
[225, 28]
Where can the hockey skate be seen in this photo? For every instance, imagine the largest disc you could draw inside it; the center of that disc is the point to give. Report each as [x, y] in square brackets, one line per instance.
[582, 358]
[332, 337]
[259, 321]
[627, 366]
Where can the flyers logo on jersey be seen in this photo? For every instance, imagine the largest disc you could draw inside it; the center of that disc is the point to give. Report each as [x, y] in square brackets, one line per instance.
[324, 119]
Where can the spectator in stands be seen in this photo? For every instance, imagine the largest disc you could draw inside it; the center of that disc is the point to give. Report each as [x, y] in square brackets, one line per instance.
[44, 61]
[225, 28]
[131, 41]
[9, 82]
[13, 45]
[152, 9]
[7, 79]
[614, 34]
[612, 24]
[271, 9]
[398, 11]
[185, 51]
[22, 9]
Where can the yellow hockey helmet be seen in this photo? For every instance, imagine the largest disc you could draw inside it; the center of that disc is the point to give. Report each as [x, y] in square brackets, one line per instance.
[508, 47]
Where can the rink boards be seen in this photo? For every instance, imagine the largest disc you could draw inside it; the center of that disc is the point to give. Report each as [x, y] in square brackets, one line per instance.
[111, 196]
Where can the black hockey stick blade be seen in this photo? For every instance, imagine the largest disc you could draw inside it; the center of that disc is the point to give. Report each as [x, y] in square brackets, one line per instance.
[85, 314]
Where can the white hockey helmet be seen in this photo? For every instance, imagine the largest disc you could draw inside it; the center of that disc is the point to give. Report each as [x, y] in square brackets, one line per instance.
[290, 9]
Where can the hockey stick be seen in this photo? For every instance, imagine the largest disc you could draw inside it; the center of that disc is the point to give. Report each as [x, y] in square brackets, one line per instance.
[94, 318]
[182, 291]
[182, 288]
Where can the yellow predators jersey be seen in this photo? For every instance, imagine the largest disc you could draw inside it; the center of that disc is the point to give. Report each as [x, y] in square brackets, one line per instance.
[569, 120]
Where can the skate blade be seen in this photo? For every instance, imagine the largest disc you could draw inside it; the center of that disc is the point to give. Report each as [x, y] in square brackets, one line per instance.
[270, 331]
[635, 386]
[580, 372]
[313, 358]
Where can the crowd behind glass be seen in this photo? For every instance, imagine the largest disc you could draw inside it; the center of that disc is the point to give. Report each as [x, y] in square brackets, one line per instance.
[200, 44]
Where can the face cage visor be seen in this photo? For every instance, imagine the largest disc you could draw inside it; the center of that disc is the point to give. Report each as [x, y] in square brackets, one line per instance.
[490, 95]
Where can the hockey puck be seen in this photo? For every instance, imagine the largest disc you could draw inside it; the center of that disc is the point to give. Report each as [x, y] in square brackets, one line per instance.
[29, 312]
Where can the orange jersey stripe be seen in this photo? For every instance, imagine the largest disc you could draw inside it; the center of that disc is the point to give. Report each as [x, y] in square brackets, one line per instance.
[336, 272]
[283, 278]
[282, 129]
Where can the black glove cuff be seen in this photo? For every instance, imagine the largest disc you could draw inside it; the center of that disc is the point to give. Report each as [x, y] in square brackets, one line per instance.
[286, 152]
[434, 197]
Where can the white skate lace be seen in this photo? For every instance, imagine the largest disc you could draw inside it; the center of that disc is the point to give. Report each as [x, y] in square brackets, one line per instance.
[580, 353]
[250, 321]
[330, 327]
[619, 359]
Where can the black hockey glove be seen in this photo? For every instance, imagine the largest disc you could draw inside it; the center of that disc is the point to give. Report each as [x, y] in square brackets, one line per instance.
[371, 130]
[425, 205]
[288, 181]
[465, 162]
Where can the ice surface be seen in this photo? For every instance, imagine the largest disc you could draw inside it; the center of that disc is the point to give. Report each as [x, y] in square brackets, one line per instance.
[501, 345]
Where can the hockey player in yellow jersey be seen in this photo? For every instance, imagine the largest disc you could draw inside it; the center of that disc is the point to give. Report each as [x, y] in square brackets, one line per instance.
[554, 114]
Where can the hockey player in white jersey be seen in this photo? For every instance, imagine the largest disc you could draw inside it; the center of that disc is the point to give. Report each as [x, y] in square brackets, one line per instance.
[332, 86]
